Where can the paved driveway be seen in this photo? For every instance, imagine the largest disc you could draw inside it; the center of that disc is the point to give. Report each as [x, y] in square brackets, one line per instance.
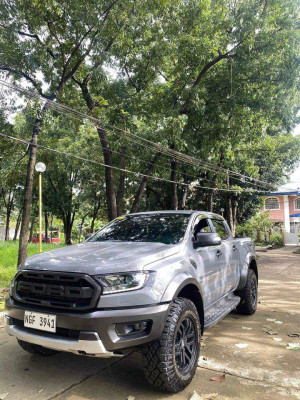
[256, 366]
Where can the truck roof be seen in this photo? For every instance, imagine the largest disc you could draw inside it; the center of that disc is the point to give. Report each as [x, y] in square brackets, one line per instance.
[187, 212]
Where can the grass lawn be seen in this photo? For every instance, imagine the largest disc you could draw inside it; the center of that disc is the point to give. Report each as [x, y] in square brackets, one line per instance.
[8, 261]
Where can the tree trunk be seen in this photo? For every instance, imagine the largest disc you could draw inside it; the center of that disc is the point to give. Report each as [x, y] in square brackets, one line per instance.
[68, 221]
[95, 213]
[107, 154]
[8, 214]
[234, 218]
[185, 191]
[46, 227]
[109, 177]
[17, 226]
[31, 229]
[173, 177]
[174, 196]
[211, 200]
[121, 189]
[51, 226]
[8, 205]
[139, 193]
[231, 208]
[81, 226]
[23, 243]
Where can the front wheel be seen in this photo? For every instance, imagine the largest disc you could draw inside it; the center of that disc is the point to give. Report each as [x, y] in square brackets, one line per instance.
[248, 295]
[171, 361]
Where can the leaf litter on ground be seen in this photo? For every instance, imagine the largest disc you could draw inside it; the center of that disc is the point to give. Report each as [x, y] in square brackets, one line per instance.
[293, 346]
[277, 339]
[218, 378]
[209, 396]
[246, 328]
[196, 396]
[241, 345]
[269, 330]
[296, 335]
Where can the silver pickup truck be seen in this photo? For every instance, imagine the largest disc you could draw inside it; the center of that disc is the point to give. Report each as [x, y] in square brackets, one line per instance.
[149, 282]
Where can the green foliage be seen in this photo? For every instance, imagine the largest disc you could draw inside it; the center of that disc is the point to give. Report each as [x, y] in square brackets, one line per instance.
[9, 257]
[276, 239]
[260, 222]
[246, 230]
[213, 79]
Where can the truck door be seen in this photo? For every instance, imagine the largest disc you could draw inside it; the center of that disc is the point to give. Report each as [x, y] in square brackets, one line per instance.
[210, 266]
[227, 257]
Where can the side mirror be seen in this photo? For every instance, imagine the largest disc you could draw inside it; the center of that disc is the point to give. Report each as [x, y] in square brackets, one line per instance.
[207, 239]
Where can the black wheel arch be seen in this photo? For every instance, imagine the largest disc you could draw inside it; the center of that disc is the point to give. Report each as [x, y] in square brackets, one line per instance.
[253, 266]
[191, 291]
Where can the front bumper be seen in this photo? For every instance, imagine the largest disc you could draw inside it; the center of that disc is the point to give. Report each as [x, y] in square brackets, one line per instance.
[95, 331]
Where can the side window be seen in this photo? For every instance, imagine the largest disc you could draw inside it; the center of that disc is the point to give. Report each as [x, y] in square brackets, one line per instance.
[220, 229]
[201, 226]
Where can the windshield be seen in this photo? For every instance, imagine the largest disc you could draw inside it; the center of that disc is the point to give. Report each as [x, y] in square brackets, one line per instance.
[162, 228]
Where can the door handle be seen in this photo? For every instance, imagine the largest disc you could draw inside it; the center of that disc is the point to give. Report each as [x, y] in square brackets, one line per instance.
[219, 253]
[234, 248]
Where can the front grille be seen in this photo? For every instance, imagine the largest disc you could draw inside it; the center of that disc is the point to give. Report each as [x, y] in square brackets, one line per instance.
[56, 290]
[63, 332]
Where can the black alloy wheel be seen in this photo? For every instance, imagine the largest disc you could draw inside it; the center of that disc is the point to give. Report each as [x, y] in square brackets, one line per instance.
[185, 345]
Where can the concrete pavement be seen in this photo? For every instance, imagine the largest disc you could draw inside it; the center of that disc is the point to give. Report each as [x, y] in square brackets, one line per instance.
[256, 366]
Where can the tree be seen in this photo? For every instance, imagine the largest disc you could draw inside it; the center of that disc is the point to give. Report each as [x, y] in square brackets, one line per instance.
[55, 39]
[216, 81]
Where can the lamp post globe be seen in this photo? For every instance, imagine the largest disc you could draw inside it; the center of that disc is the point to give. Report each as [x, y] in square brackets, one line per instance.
[40, 167]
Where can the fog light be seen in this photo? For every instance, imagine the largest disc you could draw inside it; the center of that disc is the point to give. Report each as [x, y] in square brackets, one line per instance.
[134, 328]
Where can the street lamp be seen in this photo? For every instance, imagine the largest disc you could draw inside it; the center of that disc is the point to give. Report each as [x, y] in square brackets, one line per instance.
[40, 168]
[222, 211]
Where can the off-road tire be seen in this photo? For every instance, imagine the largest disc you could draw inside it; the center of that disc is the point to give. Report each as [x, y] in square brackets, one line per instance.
[36, 349]
[160, 363]
[248, 305]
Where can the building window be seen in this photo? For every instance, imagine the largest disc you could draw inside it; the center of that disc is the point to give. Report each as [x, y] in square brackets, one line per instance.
[297, 204]
[272, 203]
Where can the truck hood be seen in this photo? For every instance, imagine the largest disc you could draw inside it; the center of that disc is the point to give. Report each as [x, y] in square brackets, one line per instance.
[101, 257]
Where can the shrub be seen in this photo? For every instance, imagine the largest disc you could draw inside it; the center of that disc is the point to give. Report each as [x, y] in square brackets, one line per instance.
[276, 239]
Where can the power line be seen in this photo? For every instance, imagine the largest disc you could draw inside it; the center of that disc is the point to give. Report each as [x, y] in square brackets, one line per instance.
[137, 174]
[142, 144]
[171, 153]
[59, 107]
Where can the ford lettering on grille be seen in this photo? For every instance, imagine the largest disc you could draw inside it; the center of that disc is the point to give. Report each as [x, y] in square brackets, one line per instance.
[56, 290]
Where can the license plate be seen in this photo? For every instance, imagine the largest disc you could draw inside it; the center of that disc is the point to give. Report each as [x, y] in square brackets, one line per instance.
[43, 322]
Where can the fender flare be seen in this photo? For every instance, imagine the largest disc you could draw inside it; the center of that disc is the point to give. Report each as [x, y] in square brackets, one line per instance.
[177, 284]
[250, 259]
[181, 281]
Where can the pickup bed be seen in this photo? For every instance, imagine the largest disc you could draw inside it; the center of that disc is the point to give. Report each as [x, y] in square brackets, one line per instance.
[149, 282]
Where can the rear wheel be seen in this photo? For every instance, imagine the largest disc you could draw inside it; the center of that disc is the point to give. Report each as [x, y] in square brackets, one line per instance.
[248, 295]
[170, 362]
[36, 349]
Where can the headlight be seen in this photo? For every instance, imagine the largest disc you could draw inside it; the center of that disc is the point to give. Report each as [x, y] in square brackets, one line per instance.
[115, 283]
